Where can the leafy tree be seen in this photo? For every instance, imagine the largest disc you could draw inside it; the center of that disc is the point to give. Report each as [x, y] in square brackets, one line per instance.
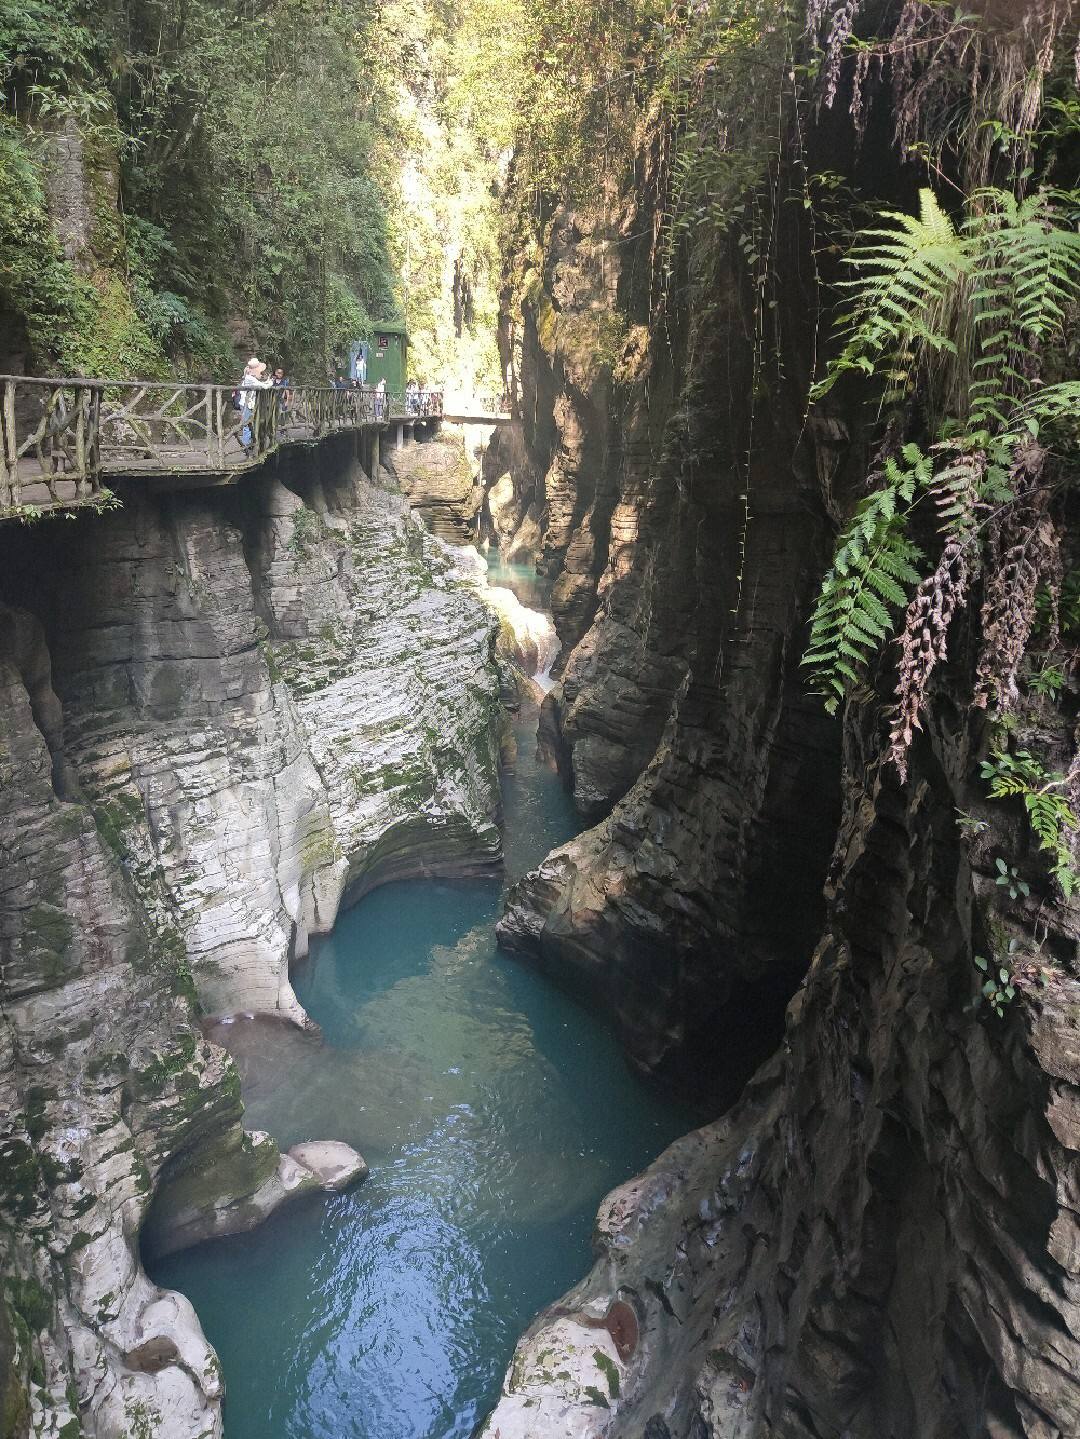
[249, 198]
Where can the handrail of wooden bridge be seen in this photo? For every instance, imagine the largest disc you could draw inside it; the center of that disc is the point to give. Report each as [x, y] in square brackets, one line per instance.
[69, 435]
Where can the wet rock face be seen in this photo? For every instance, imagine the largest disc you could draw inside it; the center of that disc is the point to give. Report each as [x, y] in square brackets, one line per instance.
[271, 705]
[881, 1237]
[682, 575]
[220, 717]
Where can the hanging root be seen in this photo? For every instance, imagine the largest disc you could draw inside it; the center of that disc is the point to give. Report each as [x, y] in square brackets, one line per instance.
[1006, 48]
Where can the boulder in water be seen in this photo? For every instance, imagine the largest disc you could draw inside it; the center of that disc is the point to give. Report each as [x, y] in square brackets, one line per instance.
[335, 1165]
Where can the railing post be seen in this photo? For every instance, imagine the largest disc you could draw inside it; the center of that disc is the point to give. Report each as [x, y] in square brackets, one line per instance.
[11, 446]
[208, 412]
[93, 437]
[80, 441]
[219, 425]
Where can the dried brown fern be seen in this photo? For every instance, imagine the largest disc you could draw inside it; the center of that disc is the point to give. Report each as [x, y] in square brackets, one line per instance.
[1022, 550]
[923, 644]
[924, 638]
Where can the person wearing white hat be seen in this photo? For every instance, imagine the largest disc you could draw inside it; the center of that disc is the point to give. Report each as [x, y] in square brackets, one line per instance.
[254, 372]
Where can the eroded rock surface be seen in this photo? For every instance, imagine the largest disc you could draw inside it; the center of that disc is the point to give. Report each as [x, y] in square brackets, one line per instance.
[223, 715]
[881, 1238]
[272, 705]
[692, 907]
[440, 478]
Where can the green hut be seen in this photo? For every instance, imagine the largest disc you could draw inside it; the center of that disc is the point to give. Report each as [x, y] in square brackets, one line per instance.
[388, 356]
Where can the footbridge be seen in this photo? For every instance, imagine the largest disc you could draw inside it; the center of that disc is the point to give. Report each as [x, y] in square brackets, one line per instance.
[66, 441]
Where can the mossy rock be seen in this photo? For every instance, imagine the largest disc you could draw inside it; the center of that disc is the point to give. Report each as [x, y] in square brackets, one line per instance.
[14, 1375]
[223, 1173]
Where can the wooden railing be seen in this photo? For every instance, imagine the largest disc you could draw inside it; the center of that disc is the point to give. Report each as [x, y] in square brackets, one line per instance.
[481, 407]
[62, 439]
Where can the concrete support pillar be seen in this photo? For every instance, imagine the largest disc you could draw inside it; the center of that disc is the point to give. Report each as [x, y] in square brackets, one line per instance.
[400, 435]
[376, 456]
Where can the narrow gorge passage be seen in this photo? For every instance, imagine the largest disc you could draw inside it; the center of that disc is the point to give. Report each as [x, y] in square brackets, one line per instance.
[494, 1113]
[744, 336]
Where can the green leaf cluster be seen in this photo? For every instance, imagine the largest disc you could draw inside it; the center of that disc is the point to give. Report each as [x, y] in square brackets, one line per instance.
[958, 315]
[873, 569]
[998, 988]
[1051, 818]
[252, 194]
[963, 308]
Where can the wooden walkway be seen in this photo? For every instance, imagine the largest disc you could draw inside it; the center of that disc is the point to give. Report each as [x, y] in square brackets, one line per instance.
[65, 440]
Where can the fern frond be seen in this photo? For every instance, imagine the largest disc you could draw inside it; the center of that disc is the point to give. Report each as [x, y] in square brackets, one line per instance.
[874, 560]
[906, 288]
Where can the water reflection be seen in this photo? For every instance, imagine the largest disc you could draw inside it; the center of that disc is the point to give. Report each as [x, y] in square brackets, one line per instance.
[494, 1114]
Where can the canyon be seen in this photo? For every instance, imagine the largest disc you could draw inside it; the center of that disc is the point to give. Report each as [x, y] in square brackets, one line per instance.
[204, 757]
[232, 715]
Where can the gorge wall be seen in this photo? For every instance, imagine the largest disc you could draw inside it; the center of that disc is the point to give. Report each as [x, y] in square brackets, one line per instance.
[880, 1237]
[225, 714]
[684, 534]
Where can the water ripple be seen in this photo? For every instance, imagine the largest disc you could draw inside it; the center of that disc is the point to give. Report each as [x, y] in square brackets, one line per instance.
[494, 1114]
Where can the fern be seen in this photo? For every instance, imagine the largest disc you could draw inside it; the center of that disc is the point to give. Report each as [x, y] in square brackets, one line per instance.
[1050, 816]
[962, 312]
[906, 292]
[872, 568]
[1028, 262]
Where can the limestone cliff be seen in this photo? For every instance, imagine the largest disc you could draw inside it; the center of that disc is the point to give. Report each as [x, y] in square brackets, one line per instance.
[882, 1237]
[684, 533]
[224, 715]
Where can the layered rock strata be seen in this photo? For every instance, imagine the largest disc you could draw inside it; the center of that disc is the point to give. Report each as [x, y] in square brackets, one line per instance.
[273, 698]
[882, 1237]
[684, 534]
[224, 715]
[439, 474]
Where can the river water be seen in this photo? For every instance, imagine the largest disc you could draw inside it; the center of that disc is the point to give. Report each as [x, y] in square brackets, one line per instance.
[494, 1112]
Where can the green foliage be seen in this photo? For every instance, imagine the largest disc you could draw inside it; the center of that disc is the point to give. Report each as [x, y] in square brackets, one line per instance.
[957, 314]
[1048, 680]
[610, 1371]
[248, 181]
[1068, 606]
[1008, 877]
[51, 60]
[963, 308]
[306, 531]
[1049, 814]
[260, 174]
[36, 281]
[998, 989]
[907, 292]
[872, 570]
[454, 73]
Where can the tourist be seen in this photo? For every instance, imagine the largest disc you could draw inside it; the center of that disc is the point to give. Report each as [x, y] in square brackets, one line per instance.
[284, 399]
[380, 399]
[254, 373]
